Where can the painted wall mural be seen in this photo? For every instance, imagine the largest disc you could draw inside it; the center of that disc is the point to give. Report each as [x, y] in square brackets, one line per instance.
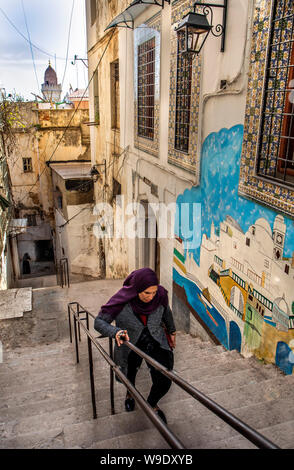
[239, 283]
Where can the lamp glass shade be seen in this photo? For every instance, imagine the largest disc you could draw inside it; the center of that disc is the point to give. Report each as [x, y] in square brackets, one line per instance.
[192, 33]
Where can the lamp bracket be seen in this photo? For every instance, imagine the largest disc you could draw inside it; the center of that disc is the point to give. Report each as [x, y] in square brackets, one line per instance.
[101, 164]
[219, 29]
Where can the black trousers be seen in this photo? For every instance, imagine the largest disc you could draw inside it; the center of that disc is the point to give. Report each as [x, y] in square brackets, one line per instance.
[160, 383]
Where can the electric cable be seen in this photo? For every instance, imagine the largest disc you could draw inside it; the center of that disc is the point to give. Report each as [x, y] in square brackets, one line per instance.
[30, 42]
[68, 38]
[75, 111]
[78, 213]
[26, 39]
[84, 208]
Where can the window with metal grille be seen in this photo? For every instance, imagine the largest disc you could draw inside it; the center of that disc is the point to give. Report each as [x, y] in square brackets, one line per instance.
[276, 145]
[114, 86]
[146, 87]
[183, 99]
[27, 165]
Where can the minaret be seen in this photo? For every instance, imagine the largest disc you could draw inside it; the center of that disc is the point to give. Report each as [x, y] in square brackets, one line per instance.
[279, 233]
[50, 88]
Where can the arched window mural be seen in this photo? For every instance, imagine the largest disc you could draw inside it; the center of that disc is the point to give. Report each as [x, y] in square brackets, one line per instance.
[237, 299]
[281, 314]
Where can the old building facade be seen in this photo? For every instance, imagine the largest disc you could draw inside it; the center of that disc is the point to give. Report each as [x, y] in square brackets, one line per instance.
[6, 215]
[51, 183]
[212, 133]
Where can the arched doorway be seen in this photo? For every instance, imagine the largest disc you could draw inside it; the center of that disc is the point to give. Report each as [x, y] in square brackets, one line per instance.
[149, 247]
[235, 337]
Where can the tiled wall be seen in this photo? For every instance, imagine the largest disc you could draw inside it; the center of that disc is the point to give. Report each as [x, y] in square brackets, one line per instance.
[189, 161]
[250, 185]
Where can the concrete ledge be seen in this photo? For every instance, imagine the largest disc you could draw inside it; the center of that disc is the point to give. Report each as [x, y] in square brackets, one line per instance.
[14, 302]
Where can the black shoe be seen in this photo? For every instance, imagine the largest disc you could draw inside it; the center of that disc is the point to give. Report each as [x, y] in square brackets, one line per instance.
[129, 404]
[161, 415]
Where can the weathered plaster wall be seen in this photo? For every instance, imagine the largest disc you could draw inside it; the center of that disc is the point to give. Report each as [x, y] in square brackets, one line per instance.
[82, 244]
[106, 140]
[43, 139]
[75, 238]
[47, 135]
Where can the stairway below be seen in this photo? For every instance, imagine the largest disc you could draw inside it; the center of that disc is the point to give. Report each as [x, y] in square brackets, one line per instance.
[45, 400]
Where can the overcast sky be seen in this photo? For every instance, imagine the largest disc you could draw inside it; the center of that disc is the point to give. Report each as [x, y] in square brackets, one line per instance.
[47, 23]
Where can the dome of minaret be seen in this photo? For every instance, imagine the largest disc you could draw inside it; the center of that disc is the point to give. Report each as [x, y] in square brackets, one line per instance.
[50, 88]
[50, 77]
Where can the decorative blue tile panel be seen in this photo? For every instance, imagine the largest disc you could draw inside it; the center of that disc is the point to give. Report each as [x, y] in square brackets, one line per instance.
[251, 185]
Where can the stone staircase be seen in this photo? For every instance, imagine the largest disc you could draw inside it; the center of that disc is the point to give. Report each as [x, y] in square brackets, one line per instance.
[45, 400]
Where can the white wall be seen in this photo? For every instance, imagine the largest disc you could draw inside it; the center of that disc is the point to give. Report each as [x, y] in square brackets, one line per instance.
[231, 65]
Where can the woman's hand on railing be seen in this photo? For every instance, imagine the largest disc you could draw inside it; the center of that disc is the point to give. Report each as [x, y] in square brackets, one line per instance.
[121, 336]
[173, 340]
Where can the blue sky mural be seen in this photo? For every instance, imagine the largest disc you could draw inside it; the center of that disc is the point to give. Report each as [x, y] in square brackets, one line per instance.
[218, 189]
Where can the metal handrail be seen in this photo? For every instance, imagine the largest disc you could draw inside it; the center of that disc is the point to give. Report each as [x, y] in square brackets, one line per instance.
[251, 434]
[173, 441]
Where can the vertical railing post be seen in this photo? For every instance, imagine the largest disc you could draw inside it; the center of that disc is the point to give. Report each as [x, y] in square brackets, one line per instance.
[61, 273]
[76, 339]
[79, 328]
[90, 356]
[67, 272]
[69, 323]
[111, 379]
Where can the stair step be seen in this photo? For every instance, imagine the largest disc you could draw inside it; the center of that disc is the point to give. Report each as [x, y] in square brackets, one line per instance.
[15, 385]
[45, 399]
[260, 417]
[196, 432]
[281, 434]
[59, 358]
[48, 421]
[15, 378]
[147, 439]
[220, 364]
[82, 411]
[49, 439]
[229, 398]
[32, 353]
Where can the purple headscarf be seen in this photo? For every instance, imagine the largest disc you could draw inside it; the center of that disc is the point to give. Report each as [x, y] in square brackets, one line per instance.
[136, 282]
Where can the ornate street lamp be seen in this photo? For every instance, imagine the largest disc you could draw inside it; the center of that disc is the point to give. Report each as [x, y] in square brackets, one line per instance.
[194, 28]
[192, 33]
